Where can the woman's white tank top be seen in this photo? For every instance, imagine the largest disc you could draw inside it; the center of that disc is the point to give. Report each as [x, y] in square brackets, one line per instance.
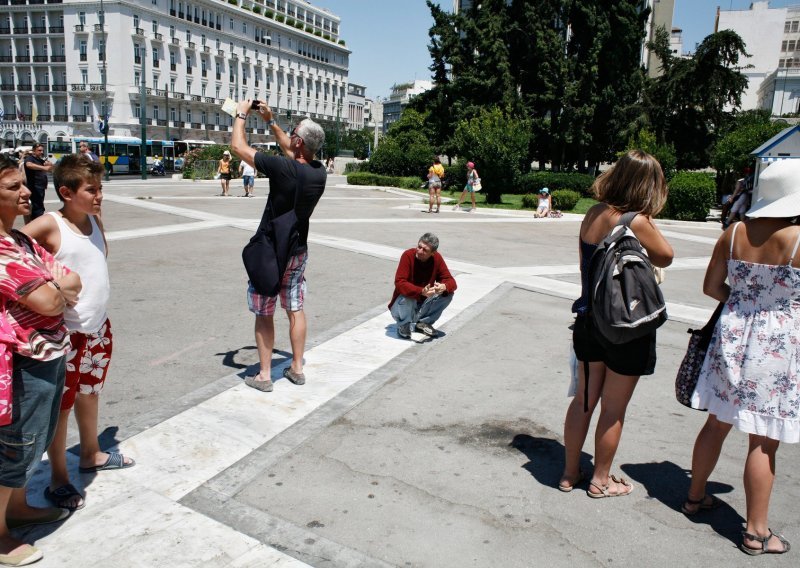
[86, 255]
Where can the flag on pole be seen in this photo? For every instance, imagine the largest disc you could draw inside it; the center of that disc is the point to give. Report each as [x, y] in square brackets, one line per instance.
[20, 116]
[34, 111]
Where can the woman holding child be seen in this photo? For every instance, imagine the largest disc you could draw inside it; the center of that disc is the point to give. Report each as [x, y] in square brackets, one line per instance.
[34, 290]
[635, 183]
[749, 379]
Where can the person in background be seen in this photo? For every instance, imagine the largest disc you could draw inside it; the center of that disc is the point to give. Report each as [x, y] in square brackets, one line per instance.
[635, 183]
[248, 174]
[545, 203]
[36, 169]
[224, 171]
[749, 379]
[472, 177]
[435, 177]
[83, 148]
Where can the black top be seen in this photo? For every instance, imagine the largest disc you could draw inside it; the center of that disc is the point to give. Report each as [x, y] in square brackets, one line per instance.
[282, 174]
[35, 179]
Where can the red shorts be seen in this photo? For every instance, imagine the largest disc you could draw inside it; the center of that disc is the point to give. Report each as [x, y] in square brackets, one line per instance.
[87, 364]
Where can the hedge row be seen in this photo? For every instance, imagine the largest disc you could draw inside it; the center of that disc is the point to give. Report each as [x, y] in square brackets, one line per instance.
[691, 195]
[532, 182]
[562, 199]
[366, 178]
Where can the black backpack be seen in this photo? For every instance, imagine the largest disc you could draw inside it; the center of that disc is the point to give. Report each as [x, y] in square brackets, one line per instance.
[625, 301]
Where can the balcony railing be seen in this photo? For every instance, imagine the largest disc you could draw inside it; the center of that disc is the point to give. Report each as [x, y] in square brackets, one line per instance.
[156, 63]
[203, 73]
[44, 118]
[24, 87]
[20, 29]
[43, 87]
[60, 117]
[209, 100]
[161, 122]
[206, 49]
[136, 31]
[79, 118]
[39, 29]
[191, 45]
[220, 53]
[196, 125]
[83, 57]
[197, 98]
[158, 37]
[40, 59]
[219, 76]
[173, 67]
[59, 87]
[22, 58]
[7, 87]
[96, 87]
[179, 96]
[6, 59]
[80, 29]
[98, 28]
[188, 70]
[58, 58]
[5, 31]
[77, 87]
[176, 41]
[137, 59]
[56, 29]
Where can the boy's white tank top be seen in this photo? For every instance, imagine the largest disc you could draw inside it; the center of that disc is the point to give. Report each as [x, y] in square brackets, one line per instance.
[85, 255]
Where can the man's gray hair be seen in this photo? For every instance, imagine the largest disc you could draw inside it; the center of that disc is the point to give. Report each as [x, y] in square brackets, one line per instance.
[431, 240]
[312, 134]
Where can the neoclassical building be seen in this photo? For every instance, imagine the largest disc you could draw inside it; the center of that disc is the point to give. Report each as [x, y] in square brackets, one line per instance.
[65, 64]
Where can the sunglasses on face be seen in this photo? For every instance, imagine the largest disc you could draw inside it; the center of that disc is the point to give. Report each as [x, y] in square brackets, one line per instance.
[293, 133]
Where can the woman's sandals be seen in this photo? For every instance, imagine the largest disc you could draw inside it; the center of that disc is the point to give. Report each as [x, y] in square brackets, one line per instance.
[764, 540]
[702, 504]
[605, 489]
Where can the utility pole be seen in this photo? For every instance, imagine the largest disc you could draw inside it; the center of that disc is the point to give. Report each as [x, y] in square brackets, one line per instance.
[166, 109]
[105, 91]
[143, 113]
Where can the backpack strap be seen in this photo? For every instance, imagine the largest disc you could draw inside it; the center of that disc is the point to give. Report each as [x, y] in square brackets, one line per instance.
[627, 218]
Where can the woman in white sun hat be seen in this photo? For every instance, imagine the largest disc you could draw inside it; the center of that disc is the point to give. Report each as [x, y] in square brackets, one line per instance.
[750, 375]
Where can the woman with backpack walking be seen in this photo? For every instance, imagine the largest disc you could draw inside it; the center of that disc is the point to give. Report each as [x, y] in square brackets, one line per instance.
[749, 379]
[634, 184]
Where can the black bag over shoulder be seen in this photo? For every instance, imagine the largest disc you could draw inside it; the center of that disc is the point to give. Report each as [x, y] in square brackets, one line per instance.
[689, 371]
[267, 254]
[625, 301]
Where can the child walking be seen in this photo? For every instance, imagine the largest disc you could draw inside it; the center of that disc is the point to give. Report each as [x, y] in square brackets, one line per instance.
[74, 236]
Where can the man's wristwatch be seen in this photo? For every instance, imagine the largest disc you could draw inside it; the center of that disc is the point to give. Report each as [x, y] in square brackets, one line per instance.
[270, 122]
[242, 115]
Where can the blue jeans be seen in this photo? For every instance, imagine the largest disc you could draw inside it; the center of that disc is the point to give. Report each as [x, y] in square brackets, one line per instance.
[37, 390]
[408, 310]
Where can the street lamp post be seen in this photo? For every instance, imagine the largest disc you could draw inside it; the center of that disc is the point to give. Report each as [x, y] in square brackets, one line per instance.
[143, 115]
[107, 164]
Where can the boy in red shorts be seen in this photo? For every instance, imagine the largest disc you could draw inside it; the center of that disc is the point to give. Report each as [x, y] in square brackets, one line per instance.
[74, 236]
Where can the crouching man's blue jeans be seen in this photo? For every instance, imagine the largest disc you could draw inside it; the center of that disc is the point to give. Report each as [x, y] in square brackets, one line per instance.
[410, 311]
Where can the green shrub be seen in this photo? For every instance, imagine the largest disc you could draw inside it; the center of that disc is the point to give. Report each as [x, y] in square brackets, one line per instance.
[456, 175]
[257, 9]
[298, 25]
[691, 195]
[565, 199]
[269, 13]
[326, 36]
[318, 33]
[280, 18]
[530, 200]
[341, 42]
[534, 181]
[233, 2]
[353, 167]
[367, 178]
[290, 21]
[243, 7]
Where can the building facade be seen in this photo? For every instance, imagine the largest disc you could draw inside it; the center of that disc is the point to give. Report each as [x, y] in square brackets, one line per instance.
[661, 12]
[66, 64]
[356, 100]
[772, 37]
[400, 96]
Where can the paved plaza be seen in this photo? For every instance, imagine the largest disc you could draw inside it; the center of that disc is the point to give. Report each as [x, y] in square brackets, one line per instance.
[423, 453]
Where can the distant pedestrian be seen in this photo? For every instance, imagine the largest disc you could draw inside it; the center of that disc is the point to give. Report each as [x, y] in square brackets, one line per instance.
[329, 165]
[74, 236]
[634, 184]
[224, 172]
[472, 179]
[749, 379]
[296, 181]
[423, 288]
[435, 177]
[545, 204]
[36, 169]
[86, 152]
[248, 174]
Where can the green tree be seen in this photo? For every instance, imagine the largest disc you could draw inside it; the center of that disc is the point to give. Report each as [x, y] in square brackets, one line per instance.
[405, 150]
[498, 144]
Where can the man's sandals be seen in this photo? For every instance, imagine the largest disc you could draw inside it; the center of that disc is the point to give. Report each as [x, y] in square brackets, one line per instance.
[605, 490]
[764, 540]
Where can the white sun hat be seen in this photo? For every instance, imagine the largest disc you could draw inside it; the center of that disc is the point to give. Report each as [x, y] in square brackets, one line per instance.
[778, 190]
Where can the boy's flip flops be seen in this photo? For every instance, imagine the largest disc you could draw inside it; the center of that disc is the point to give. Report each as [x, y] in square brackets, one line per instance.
[115, 461]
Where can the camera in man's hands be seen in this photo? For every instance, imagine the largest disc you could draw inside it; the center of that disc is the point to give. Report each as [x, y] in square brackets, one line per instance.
[255, 104]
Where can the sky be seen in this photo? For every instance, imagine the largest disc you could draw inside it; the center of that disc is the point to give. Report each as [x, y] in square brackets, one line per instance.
[389, 38]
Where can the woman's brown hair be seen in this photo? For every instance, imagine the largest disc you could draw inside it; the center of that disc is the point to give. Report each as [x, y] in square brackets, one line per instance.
[635, 183]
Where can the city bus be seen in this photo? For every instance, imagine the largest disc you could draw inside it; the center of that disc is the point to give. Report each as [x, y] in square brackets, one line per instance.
[124, 152]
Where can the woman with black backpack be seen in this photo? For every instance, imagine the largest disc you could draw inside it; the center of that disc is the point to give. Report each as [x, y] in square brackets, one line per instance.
[634, 184]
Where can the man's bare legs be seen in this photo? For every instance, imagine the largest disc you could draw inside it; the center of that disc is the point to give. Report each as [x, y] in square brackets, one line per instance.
[86, 415]
[57, 454]
[297, 337]
[265, 341]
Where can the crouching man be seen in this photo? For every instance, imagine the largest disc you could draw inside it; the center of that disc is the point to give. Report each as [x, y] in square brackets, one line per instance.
[423, 288]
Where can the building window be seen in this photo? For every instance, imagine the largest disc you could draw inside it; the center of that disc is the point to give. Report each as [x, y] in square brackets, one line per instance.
[172, 84]
[84, 76]
[231, 23]
[155, 27]
[216, 118]
[792, 45]
[137, 111]
[135, 21]
[172, 59]
[188, 115]
[188, 35]
[172, 114]
[82, 18]
[244, 27]
[155, 112]
[137, 79]
[795, 25]
[86, 108]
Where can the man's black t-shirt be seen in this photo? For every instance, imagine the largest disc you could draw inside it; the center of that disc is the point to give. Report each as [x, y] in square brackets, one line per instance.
[282, 173]
[35, 179]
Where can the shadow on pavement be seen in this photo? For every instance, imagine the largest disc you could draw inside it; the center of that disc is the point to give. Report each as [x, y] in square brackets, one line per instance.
[546, 458]
[668, 483]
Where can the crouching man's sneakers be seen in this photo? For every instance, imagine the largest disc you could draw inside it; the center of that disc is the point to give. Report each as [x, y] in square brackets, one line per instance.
[404, 331]
[426, 328]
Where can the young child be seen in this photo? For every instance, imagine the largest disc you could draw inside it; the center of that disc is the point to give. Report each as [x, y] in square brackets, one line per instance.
[74, 236]
[545, 203]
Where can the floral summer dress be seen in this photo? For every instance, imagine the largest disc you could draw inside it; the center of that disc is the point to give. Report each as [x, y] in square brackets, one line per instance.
[750, 375]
